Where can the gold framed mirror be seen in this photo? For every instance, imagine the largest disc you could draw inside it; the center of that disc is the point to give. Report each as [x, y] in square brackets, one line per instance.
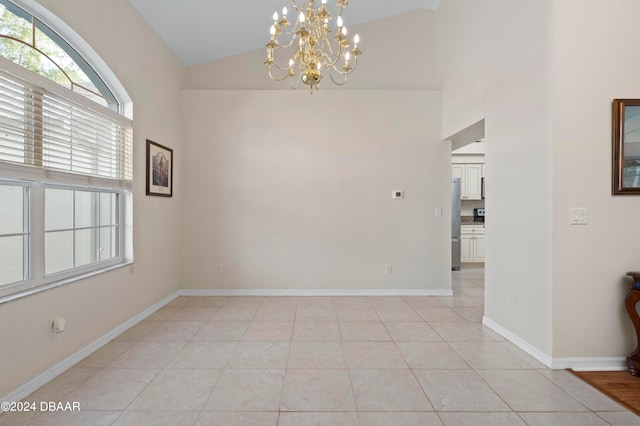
[626, 146]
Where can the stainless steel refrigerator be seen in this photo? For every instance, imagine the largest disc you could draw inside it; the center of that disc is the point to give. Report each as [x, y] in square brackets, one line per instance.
[455, 225]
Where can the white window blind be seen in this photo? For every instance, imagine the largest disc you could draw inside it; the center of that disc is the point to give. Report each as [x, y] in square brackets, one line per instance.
[50, 128]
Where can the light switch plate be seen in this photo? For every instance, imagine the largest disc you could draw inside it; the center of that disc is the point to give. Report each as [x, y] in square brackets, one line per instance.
[578, 216]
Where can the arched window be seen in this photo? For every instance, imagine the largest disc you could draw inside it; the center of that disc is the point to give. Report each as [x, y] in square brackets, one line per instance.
[65, 160]
[27, 41]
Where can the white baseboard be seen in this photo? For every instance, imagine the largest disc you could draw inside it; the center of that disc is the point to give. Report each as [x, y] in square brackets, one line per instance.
[590, 364]
[54, 371]
[576, 363]
[522, 344]
[335, 292]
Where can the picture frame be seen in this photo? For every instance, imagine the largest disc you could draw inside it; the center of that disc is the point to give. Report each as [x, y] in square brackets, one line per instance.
[159, 170]
[626, 147]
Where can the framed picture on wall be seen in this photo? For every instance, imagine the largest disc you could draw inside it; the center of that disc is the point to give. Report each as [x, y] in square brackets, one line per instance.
[626, 146]
[159, 170]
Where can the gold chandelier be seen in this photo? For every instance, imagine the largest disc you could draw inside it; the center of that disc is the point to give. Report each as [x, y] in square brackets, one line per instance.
[316, 52]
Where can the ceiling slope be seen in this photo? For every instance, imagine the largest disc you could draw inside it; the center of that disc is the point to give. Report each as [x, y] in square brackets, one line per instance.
[200, 31]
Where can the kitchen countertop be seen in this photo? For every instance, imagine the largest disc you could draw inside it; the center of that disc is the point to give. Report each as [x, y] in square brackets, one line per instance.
[468, 221]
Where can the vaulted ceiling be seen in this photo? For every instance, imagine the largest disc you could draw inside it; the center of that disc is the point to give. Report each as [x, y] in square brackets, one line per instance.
[200, 31]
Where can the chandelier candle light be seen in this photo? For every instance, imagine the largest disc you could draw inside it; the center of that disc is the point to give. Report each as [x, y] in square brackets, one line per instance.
[316, 52]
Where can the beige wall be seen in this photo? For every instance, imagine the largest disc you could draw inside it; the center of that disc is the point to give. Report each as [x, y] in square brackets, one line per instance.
[291, 191]
[494, 63]
[461, 63]
[151, 74]
[545, 80]
[592, 66]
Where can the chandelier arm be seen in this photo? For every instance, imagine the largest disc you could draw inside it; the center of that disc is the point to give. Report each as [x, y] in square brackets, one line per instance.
[331, 61]
[340, 72]
[279, 67]
[351, 69]
[275, 78]
[335, 55]
[297, 84]
[355, 63]
[278, 44]
[334, 80]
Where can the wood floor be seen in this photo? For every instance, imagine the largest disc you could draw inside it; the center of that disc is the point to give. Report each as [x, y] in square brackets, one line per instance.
[619, 385]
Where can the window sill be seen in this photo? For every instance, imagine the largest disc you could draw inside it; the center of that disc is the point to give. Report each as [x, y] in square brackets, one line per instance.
[51, 286]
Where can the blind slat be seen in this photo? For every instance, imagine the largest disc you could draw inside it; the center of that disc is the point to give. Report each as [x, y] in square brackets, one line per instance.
[41, 128]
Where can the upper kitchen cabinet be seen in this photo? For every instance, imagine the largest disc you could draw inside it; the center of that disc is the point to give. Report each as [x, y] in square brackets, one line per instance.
[467, 163]
[470, 180]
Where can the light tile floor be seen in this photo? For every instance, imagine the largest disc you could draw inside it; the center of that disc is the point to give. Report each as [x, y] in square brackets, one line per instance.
[321, 361]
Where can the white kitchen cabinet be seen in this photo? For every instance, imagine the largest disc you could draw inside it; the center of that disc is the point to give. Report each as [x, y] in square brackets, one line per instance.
[470, 180]
[478, 252]
[472, 244]
[466, 254]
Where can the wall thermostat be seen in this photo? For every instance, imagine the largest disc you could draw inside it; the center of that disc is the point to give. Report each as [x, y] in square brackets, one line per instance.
[398, 194]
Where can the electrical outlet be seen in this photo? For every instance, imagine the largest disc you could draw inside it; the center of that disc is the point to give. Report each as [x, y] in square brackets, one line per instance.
[58, 324]
[388, 268]
[512, 302]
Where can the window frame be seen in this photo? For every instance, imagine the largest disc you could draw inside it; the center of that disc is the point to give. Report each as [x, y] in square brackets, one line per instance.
[97, 265]
[27, 232]
[36, 179]
[34, 254]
